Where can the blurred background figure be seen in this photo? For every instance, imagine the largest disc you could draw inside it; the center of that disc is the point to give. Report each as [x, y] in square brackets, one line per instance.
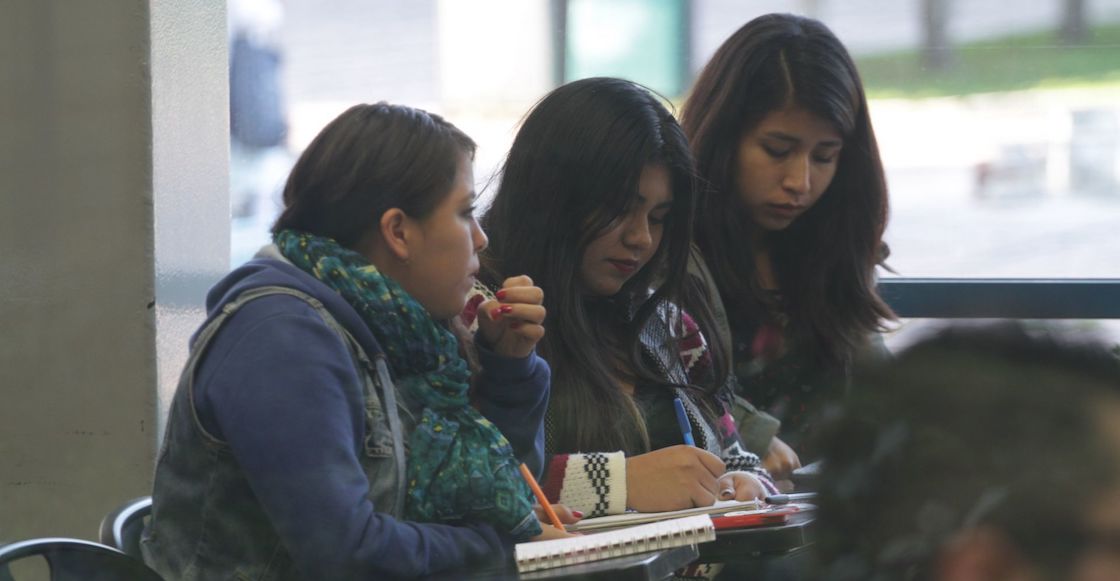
[984, 452]
[258, 122]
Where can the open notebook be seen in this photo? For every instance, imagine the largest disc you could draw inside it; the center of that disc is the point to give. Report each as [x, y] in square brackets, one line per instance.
[637, 518]
[653, 536]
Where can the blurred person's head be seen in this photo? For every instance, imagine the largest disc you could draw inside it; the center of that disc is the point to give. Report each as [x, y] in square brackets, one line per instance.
[396, 185]
[595, 205]
[779, 126]
[982, 453]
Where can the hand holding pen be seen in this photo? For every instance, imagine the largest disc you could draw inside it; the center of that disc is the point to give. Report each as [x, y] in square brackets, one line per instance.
[673, 478]
[733, 485]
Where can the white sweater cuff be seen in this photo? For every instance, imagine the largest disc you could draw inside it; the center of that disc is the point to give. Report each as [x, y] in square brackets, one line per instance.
[595, 483]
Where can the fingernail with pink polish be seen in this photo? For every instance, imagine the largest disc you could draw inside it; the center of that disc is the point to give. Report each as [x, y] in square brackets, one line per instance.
[506, 308]
[577, 514]
[495, 313]
[500, 294]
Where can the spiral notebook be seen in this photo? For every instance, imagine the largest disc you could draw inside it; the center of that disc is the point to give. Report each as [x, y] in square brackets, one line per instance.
[654, 536]
[638, 518]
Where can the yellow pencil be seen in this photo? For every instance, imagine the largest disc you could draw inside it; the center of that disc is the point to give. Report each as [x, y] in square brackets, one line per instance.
[541, 497]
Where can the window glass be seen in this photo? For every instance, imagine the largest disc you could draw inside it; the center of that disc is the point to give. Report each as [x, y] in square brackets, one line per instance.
[999, 129]
[634, 39]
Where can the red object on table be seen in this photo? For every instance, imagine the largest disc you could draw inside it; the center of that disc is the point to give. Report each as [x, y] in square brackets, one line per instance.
[739, 520]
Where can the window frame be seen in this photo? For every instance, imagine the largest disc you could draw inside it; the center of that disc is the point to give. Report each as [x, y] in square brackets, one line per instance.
[1010, 298]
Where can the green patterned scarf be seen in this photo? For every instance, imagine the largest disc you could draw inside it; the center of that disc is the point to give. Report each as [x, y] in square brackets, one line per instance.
[460, 466]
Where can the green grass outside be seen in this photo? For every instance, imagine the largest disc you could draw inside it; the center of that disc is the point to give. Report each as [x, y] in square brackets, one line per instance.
[1010, 63]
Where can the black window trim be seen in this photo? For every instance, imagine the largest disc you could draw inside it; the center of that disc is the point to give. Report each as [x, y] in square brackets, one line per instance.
[998, 298]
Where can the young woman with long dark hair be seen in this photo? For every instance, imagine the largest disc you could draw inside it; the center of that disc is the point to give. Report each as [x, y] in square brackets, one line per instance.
[595, 205]
[791, 220]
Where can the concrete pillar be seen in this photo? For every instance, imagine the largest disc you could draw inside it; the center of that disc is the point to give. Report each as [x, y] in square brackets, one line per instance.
[113, 214]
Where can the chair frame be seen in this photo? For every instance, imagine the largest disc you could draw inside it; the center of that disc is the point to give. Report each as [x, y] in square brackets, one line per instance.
[73, 559]
[111, 532]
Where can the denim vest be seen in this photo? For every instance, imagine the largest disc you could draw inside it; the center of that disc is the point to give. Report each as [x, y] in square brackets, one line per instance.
[206, 524]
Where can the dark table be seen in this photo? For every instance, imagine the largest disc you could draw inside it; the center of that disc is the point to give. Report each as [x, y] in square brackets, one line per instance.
[756, 542]
[782, 552]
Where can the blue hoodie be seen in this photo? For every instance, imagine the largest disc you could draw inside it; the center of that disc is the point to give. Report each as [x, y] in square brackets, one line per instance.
[276, 386]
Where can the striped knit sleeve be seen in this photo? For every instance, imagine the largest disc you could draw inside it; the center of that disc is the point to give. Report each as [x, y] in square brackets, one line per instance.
[736, 457]
[594, 484]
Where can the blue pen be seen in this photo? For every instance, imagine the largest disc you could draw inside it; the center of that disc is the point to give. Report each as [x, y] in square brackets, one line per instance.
[682, 419]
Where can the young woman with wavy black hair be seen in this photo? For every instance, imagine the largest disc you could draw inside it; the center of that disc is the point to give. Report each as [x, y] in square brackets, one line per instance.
[595, 205]
[793, 212]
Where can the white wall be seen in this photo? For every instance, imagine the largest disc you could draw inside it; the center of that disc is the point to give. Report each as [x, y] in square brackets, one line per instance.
[494, 51]
[190, 171]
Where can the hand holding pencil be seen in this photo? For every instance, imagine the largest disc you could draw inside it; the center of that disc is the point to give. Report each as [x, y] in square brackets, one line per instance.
[556, 515]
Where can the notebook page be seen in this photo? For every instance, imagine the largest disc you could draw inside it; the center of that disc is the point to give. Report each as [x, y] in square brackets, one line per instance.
[636, 518]
[654, 536]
